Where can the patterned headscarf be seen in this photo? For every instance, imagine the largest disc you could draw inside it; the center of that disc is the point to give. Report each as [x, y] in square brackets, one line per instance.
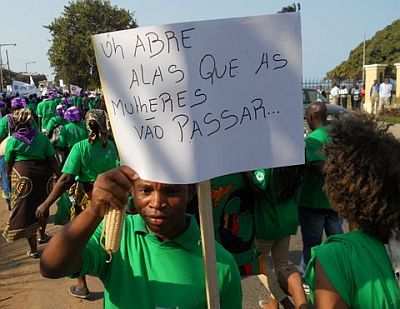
[18, 102]
[73, 114]
[100, 118]
[22, 120]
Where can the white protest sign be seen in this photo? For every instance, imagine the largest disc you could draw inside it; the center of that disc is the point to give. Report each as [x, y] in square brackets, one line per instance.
[192, 101]
[24, 89]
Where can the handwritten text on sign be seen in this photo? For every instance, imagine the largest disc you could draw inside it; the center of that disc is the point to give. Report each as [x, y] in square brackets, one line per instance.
[192, 101]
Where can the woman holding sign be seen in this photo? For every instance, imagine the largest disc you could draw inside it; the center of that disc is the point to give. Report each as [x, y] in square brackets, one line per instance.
[160, 262]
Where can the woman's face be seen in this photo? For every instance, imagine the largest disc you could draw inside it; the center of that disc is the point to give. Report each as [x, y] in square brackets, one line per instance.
[162, 206]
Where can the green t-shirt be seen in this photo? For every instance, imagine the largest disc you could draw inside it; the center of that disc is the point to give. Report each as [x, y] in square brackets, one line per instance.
[86, 160]
[93, 103]
[273, 220]
[45, 110]
[358, 267]
[232, 211]
[4, 127]
[54, 122]
[147, 273]
[71, 133]
[312, 194]
[40, 149]
[77, 101]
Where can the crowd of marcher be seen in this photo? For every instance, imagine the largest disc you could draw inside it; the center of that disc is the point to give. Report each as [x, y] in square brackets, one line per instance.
[59, 150]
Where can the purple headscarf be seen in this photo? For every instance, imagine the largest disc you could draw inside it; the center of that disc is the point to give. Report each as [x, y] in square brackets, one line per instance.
[2, 104]
[25, 135]
[72, 114]
[18, 102]
[52, 94]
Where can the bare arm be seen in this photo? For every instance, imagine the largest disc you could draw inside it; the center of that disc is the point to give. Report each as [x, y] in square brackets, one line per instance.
[63, 255]
[63, 183]
[326, 297]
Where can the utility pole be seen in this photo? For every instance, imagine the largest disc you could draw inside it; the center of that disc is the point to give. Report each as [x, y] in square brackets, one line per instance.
[8, 66]
[363, 70]
[1, 63]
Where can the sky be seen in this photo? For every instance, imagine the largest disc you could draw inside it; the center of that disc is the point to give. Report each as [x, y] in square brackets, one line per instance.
[330, 29]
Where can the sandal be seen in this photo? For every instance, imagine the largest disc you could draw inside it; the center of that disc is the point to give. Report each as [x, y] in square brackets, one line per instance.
[44, 240]
[34, 255]
[79, 292]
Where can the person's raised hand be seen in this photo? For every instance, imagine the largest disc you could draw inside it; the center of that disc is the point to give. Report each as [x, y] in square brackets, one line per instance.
[111, 189]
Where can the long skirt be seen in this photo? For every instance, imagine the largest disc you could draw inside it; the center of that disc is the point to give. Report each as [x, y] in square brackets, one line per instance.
[31, 183]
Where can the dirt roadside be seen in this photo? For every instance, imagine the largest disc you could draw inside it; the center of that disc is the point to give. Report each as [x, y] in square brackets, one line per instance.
[21, 285]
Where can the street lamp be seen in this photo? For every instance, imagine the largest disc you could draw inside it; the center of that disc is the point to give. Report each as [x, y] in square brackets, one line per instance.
[26, 65]
[1, 63]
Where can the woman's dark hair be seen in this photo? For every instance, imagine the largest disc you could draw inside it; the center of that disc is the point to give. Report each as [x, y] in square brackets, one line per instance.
[362, 174]
[96, 124]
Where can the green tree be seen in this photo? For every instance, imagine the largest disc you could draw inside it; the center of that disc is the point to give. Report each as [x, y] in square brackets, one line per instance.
[71, 53]
[383, 47]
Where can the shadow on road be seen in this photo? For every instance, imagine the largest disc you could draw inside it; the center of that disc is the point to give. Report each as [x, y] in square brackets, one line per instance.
[95, 296]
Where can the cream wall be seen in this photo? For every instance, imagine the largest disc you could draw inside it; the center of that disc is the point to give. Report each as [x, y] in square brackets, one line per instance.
[397, 65]
[374, 72]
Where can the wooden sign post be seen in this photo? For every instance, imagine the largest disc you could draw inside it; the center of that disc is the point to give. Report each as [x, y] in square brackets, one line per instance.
[208, 243]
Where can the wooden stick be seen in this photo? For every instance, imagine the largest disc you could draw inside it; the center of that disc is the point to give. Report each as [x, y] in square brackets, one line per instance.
[208, 243]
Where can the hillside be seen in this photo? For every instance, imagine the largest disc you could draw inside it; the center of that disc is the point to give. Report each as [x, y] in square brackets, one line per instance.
[383, 47]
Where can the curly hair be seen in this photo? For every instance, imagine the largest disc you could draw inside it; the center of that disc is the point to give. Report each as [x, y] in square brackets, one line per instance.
[362, 174]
